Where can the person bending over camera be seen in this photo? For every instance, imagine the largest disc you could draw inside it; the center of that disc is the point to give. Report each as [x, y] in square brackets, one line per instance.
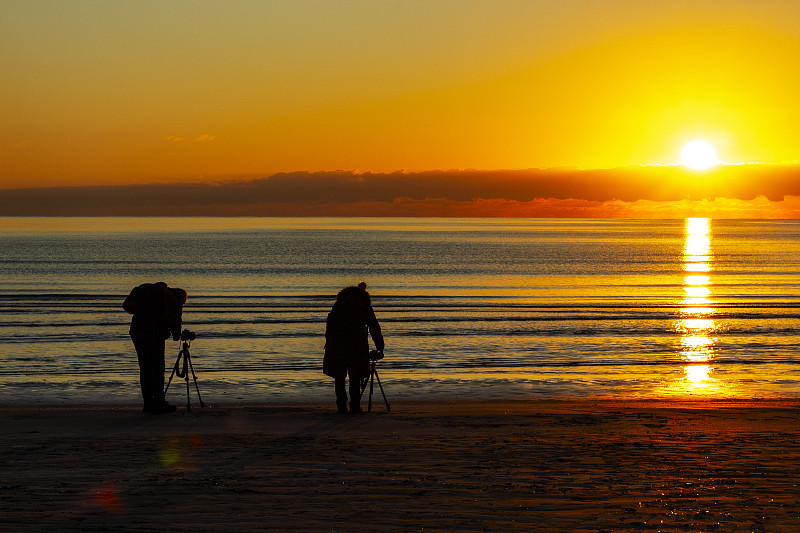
[156, 310]
[347, 345]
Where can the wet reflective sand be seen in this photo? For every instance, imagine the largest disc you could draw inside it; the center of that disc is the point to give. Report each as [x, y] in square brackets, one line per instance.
[546, 466]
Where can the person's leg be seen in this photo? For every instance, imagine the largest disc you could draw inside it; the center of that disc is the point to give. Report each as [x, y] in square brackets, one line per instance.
[341, 394]
[150, 351]
[355, 393]
[144, 351]
[158, 372]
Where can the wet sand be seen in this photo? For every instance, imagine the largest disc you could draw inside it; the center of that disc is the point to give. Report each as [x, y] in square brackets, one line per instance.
[467, 466]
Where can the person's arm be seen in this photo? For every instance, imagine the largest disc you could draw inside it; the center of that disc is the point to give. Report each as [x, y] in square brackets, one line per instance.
[173, 314]
[374, 329]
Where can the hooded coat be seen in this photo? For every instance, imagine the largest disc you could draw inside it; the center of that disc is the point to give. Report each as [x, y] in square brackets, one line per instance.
[156, 310]
[349, 323]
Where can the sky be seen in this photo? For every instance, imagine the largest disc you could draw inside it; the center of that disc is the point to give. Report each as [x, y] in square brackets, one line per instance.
[104, 94]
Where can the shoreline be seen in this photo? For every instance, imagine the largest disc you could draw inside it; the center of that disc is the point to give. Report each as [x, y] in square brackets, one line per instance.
[467, 465]
[446, 403]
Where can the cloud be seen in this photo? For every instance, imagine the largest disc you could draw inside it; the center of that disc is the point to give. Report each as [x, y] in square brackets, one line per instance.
[656, 183]
[730, 191]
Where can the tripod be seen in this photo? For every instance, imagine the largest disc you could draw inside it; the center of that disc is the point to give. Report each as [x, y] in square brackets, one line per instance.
[184, 373]
[373, 375]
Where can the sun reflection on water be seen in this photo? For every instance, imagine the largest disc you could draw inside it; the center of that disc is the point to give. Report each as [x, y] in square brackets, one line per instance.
[697, 325]
[698, 374]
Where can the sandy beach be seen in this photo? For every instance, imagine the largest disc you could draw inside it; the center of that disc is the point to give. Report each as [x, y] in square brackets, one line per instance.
[468, 466]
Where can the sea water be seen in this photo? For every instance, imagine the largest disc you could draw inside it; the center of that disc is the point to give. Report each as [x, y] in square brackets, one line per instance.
[470, 308]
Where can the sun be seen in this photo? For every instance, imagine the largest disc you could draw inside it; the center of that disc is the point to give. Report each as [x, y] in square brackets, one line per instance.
[698, 155]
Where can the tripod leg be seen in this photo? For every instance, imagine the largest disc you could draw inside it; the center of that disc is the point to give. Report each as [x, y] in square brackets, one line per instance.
[174, 369]
[383, 393]
[188, 401]
[362, 386]
[369, 404]
[191, 366]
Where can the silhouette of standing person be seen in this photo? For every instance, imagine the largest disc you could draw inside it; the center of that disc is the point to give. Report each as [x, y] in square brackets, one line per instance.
[347, 345]
[156, 310]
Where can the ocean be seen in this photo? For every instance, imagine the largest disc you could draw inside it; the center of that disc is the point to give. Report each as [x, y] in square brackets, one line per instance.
[470, 308]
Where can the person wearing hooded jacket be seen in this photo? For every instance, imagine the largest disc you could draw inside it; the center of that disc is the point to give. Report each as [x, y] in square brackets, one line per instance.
[347, 346]
[156, 310]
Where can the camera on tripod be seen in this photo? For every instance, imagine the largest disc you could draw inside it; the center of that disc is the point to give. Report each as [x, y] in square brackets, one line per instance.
[183, 365]
[374, 357]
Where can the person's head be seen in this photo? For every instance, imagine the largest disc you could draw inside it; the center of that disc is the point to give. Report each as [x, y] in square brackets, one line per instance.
[354, 295]
[180, 294]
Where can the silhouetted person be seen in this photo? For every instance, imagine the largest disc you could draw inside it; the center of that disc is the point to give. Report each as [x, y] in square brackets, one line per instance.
[347, 344]
[156, 310]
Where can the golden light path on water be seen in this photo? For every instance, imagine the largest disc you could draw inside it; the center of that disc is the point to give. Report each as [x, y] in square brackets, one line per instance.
[697, 325]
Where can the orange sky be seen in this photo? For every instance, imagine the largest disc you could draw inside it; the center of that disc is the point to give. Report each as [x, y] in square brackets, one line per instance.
[106, 93]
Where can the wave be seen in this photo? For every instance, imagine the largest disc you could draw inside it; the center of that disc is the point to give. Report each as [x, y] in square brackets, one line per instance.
[493, 365]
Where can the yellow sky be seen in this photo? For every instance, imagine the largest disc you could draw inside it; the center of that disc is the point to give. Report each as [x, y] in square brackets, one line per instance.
[99, 92]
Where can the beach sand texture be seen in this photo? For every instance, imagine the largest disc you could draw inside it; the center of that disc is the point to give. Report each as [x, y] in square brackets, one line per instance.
[469, 466]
